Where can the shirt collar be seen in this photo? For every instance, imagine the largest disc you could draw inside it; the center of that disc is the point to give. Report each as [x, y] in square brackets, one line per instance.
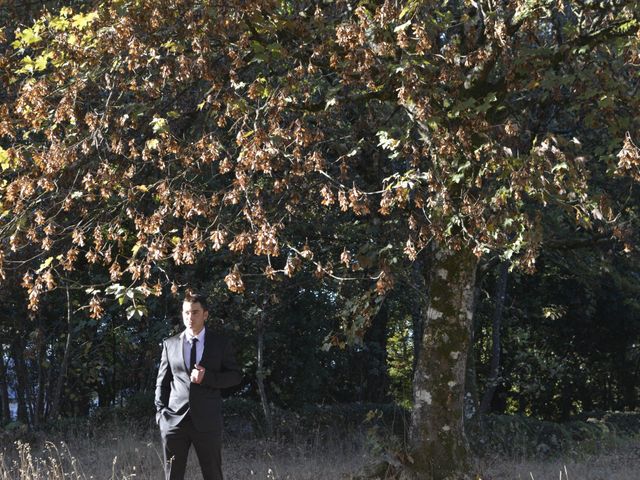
[187, 338]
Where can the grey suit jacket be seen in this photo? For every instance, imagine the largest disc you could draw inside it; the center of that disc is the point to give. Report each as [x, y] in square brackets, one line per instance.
[176, 395]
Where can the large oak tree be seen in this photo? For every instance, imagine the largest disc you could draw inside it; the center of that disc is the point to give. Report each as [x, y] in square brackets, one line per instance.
[136, 135]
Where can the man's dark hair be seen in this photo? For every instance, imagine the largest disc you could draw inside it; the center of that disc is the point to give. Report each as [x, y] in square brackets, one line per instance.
[194, 297]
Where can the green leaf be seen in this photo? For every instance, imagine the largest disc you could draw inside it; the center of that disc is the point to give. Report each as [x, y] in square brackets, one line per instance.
[136, 312]
[402, 26]
[40, 62]
[135, 249]
[625, 27]
[59, 24]
[560, 166]
[44, 265]
[82, 20]
[116, 290]
[152, 144]
[387, 142]
[27, 65]
[5, 161]
[27, 37]
[489, 99]
[159, 125]
[523, 10]
[172, 46]
[409, 8]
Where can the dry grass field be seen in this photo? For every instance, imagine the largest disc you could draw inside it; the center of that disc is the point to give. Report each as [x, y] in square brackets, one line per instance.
[618, 461]
[123, 455]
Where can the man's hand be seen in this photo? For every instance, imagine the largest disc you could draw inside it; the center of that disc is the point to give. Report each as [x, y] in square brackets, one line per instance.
[197, 374]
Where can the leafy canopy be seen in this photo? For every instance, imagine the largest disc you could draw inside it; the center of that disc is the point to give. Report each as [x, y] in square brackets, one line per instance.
[136, 135]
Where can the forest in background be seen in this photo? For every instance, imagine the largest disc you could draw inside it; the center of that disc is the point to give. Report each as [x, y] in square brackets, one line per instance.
[427, 203]
[569, 337]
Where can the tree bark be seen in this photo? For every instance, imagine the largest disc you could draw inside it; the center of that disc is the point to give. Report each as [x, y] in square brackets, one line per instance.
[375, 338]
[22, 381]
[38, 414]
[260, 374]
[438, 445]
[418, 306]
[4, 390]
[471, 396]
[494, 371]
[57, 393]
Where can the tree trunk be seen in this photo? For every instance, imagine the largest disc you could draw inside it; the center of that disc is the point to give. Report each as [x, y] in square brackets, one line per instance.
[4, 390]
[57, 393]
[438, 444]
[40, 352]
[22, 381]
[375, 339]
[471, 396]
[260, 375]
[494, 371]
[418, 306]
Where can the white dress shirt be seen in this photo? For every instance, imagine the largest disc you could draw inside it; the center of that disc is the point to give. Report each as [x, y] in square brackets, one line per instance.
[186, 346]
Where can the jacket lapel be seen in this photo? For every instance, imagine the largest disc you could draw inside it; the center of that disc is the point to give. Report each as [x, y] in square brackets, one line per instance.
[208, 346]
[178, 354]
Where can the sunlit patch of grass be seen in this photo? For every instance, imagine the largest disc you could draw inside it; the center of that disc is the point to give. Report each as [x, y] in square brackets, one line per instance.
[114, 454]
[122, 453]
[54, 462]
[617, 459]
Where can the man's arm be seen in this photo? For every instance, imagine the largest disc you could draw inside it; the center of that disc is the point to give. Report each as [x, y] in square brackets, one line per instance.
[229, 374]
[163, 382]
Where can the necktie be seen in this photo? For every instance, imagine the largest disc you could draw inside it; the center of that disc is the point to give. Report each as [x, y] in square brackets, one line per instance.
[192, 359]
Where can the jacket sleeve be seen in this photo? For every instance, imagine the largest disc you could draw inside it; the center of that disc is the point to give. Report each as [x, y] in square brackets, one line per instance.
[229, 374]
[163, 382]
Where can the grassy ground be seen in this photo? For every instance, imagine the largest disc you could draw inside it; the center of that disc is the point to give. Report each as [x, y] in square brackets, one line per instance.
[116, 453]
[615, 462]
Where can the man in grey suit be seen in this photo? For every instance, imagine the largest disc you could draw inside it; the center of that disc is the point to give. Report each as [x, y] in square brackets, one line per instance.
[195, 365]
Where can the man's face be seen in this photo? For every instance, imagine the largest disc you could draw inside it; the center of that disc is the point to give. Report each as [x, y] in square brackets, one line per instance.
[193, 316]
